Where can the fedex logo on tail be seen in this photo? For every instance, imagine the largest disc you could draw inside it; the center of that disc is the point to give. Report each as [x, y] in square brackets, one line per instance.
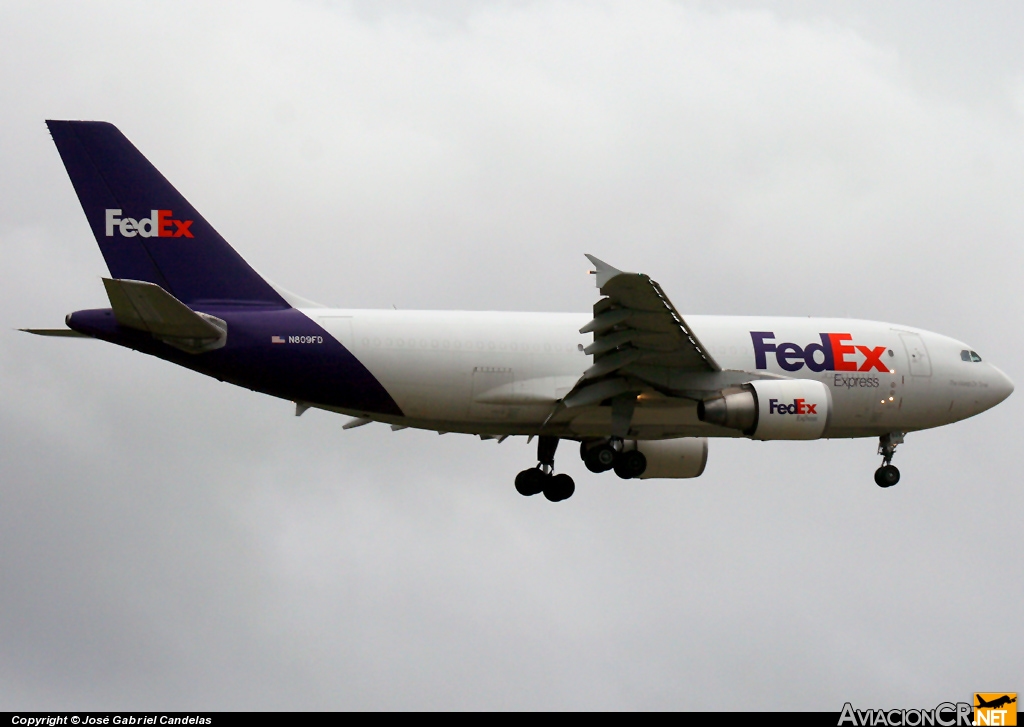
[835, 352]
[159, 224]
[799, 406]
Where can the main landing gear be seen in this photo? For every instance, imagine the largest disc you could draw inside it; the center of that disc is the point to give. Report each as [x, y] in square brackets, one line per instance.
[542, 477]
[887, 475]
[609, 455]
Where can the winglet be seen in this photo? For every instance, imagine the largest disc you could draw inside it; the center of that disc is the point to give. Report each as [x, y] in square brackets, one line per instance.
[603, 271]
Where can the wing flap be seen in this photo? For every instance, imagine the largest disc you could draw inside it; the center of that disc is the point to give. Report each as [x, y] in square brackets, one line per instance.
[613, 362]
[603, 322]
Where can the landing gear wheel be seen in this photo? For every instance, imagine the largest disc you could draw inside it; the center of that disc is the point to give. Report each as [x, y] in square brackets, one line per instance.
[630, 464]
[887, 476]
[559, 487]
[530, 482]
[600, 458]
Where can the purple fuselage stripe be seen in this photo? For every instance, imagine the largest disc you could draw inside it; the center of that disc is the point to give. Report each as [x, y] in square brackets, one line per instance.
[318, 370]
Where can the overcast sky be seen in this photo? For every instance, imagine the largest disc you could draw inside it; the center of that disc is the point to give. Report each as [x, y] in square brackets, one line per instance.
[171, 542]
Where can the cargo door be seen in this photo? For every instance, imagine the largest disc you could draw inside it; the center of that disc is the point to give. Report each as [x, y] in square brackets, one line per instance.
[917, 354]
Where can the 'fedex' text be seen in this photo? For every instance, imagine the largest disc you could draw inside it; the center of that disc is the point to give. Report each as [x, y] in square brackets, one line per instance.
[799, 406]
[834, 353]
[160, 224]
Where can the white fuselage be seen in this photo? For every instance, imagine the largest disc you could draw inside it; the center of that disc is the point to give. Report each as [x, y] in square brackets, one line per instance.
[503, 373]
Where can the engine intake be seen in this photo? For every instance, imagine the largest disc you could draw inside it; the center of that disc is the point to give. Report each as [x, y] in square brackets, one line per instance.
[771, 409]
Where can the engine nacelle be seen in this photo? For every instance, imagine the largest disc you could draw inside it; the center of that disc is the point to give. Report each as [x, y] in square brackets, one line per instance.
[771, 409]
[673, 458]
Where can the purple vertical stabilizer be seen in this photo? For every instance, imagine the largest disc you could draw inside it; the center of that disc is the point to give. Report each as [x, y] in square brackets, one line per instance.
[145, 229]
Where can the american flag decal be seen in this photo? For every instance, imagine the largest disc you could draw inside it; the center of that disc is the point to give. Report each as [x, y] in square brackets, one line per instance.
[276, 339]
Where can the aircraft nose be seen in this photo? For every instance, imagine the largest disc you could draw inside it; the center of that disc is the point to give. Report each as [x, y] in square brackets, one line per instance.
[1001, 386]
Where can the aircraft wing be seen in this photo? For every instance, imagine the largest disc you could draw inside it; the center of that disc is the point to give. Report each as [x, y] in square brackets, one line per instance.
[636, 331]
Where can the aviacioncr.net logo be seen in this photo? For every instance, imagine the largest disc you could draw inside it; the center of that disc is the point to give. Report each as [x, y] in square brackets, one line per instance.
[995, 708]
[946, 714]
[159, 224]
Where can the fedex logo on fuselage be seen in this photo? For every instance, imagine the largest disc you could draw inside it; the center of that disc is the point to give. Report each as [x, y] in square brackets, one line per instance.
[799, 406]
[160, 224]
[834, 353]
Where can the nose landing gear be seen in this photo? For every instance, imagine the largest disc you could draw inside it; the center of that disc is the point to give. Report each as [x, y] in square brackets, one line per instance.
[542, 478]
[887, 475]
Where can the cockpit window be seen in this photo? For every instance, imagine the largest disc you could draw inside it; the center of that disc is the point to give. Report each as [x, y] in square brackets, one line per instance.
[970, 356]
[975, 357]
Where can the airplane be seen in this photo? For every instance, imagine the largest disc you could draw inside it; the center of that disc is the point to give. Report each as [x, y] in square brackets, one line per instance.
[638, 385]
[995, 703]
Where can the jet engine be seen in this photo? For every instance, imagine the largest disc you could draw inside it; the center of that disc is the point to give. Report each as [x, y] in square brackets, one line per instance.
[771, 409]
[672, 458]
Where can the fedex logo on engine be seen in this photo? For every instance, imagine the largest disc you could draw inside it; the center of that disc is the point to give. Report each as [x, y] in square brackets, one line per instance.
[799, 406]
[159, 224]
[833, 353]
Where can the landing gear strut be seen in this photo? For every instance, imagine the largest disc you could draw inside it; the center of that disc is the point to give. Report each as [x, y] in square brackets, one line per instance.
[609, 455]
[542, 478]
[887, 475]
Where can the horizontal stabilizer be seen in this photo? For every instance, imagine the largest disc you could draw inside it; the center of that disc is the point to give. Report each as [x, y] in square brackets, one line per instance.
[55, 332]
[148, 307]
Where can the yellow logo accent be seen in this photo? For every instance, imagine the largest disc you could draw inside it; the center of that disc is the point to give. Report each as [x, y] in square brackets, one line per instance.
[995, 708]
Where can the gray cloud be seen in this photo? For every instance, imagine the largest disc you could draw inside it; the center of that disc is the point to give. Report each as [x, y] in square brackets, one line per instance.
[170, 542]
